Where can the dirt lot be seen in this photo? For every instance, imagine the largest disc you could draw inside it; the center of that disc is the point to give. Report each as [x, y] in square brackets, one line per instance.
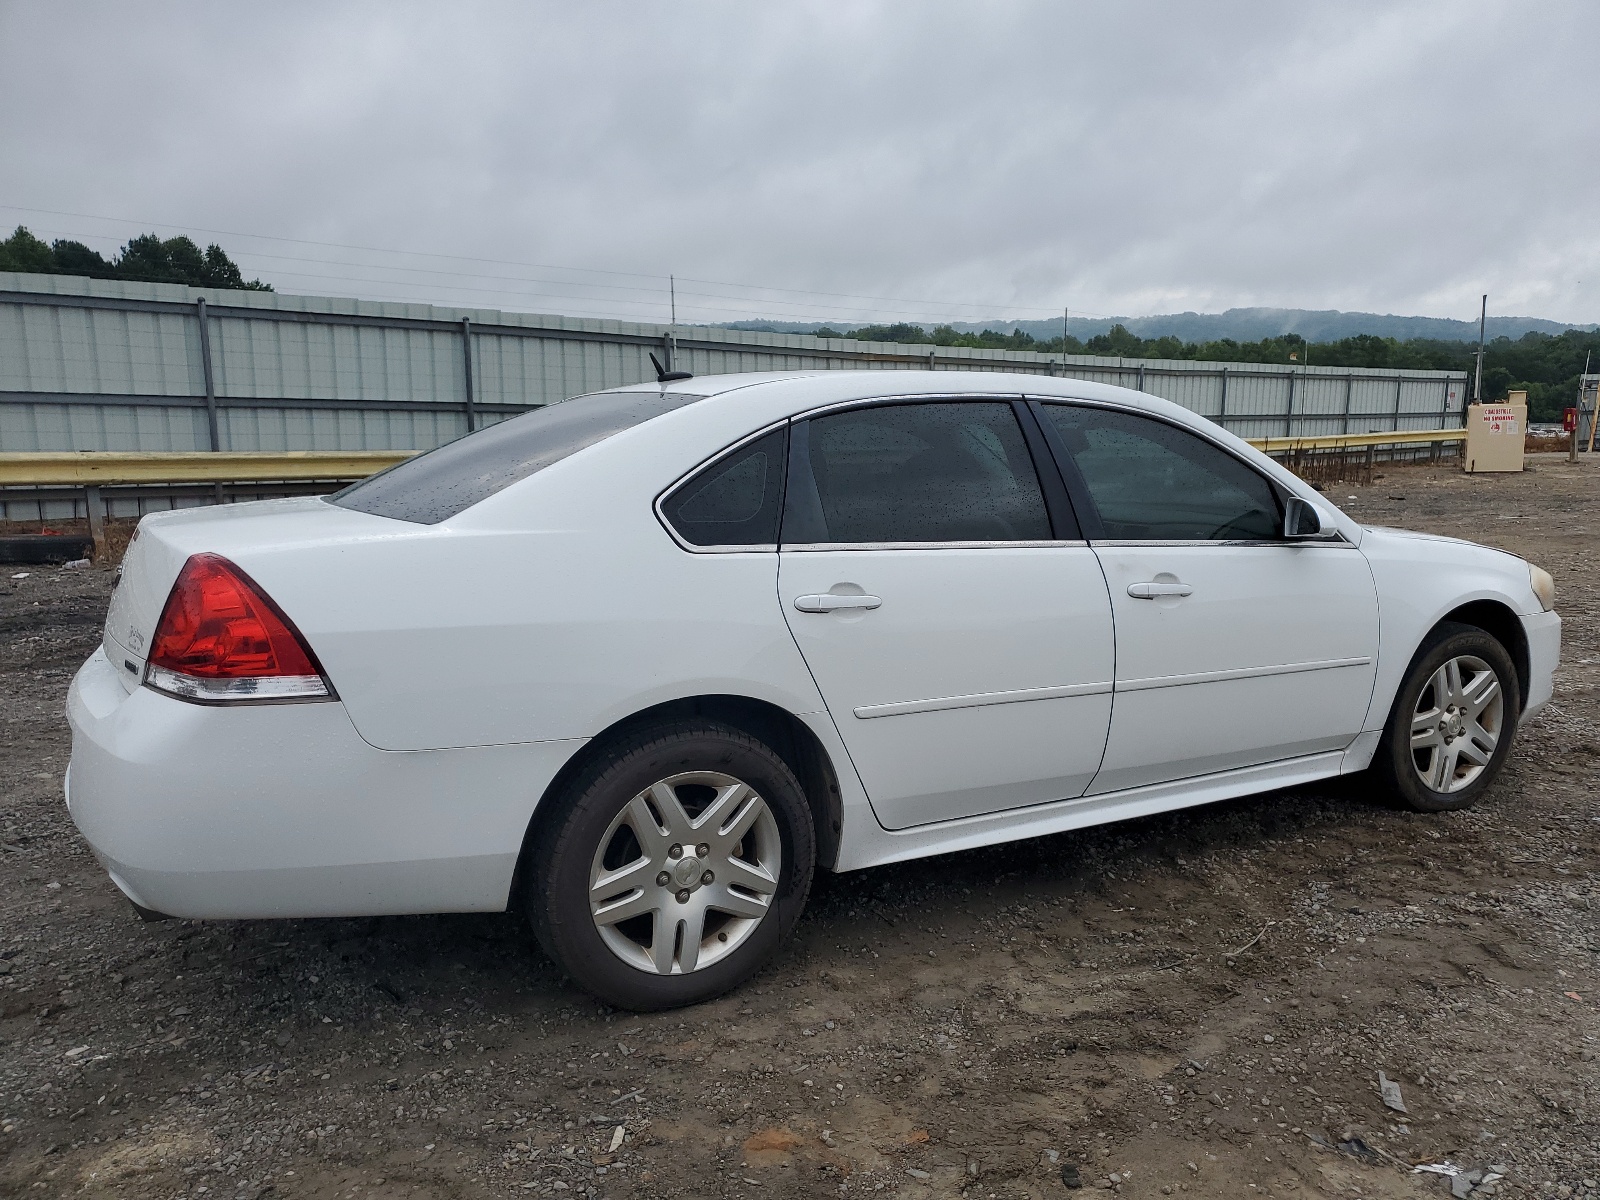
[1197, 1004]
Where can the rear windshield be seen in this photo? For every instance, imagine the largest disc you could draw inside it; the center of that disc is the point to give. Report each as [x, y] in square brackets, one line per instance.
[435, 486]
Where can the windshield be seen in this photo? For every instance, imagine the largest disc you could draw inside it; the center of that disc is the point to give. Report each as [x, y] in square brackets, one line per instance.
[435, 486]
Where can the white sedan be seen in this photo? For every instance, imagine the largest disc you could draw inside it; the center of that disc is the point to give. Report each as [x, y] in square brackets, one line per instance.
[638, 663]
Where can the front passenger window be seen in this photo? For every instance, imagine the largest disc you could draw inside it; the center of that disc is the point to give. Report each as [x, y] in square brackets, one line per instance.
[1152, 481]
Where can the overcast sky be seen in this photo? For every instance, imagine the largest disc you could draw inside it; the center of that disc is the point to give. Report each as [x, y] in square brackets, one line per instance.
[850, 160]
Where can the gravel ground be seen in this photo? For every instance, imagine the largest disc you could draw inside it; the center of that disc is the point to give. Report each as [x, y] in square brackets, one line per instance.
[1198, 1003]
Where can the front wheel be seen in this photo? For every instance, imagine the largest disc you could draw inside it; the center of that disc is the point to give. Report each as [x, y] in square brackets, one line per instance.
[674, 866]
[1453, 721]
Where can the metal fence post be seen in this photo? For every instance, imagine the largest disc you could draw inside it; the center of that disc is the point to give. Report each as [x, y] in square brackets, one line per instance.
[1141, 377]
[466, 359]
[1349, 395]
[205, 371]
[1222, 408]
[1399, 382]
[1288, 413]
[94, 509]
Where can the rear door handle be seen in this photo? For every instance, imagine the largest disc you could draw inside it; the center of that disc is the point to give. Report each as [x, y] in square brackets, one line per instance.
[833, 602]
[1149, 591]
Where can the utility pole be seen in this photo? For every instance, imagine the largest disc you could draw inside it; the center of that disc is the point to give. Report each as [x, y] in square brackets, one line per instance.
[1066, 315]
[1577, 424]
[1477, 383]
[672, 329]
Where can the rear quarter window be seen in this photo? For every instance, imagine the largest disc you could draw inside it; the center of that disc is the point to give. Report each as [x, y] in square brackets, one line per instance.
[435, 486]
[736, 500]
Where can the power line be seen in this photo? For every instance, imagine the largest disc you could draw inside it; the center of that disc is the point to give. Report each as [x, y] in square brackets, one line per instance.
[728, 306]
[268, 237]
[923, 305]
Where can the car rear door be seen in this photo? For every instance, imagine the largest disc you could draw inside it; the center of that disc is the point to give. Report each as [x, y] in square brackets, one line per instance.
[955, 622]
[1235, 647]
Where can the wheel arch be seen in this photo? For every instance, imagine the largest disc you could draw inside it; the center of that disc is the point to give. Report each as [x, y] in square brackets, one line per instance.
[793, 741]
[1500, 622]
[1496, 618]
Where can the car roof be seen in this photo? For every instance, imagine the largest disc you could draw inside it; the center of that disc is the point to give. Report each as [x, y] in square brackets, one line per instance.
[781, 394]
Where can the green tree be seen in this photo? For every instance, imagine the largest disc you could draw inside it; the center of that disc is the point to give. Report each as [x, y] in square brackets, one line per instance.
[74, 258]
[179, 260]
[146, 258]
[1118, 343]
[24, 252]
[898, 332]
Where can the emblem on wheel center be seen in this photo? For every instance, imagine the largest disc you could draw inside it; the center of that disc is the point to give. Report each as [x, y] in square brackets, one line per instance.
[687, 870]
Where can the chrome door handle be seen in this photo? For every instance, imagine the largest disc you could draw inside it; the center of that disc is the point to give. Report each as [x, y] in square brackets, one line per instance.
[1149, 591]
[833, 602]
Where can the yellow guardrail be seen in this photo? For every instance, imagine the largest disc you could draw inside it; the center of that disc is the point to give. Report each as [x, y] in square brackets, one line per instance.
[99, 468]
[1344, 441]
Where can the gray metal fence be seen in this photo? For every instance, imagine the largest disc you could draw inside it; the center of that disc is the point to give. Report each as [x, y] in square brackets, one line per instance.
[1588, 403]
[96, 365]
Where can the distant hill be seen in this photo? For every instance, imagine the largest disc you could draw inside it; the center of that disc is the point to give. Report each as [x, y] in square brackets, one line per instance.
[1240, 324]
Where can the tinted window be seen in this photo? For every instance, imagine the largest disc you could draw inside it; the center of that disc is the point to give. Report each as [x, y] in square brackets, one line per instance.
[953, 472]
[734, 501]
[1155, 482]
[437, 485]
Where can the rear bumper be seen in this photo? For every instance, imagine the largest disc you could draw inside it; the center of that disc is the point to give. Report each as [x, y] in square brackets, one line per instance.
[282, 810]
[1543, 631]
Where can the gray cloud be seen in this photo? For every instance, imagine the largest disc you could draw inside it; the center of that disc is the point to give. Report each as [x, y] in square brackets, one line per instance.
[983, 160]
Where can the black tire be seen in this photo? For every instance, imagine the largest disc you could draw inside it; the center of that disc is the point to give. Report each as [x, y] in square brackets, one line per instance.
[567, 846]
[1397, 765]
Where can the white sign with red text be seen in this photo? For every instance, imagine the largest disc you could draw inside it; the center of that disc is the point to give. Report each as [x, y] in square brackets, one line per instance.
[1500, 418]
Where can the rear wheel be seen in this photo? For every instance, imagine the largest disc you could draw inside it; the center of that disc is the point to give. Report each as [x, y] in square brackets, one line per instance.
[1453, 721]
[674, 866]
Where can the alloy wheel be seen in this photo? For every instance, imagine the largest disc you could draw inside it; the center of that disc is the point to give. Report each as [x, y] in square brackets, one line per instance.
[685, 873]
[1457, 723]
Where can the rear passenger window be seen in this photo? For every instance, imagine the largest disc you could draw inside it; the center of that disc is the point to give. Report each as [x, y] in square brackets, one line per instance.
[735, 500]
[945, 472]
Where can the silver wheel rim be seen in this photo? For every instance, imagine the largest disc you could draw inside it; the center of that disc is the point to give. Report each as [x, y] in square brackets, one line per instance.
[685, 873]
[1457, 724]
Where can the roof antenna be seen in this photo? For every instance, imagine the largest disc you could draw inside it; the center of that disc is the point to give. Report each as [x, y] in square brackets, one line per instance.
[665, 376]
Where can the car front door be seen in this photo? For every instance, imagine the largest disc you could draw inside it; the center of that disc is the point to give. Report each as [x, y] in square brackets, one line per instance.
[1235, 646]
[957, 625]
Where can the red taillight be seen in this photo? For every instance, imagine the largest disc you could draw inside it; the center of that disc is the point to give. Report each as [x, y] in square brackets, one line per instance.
[221, 638]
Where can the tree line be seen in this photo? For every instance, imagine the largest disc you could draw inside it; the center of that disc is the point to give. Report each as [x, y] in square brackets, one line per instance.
[1546, 366]
[147, 259]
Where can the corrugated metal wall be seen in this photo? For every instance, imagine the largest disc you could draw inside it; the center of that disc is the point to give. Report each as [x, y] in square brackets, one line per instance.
[94, 365]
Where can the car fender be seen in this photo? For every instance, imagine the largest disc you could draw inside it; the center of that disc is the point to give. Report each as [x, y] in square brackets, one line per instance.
[1421, 580]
